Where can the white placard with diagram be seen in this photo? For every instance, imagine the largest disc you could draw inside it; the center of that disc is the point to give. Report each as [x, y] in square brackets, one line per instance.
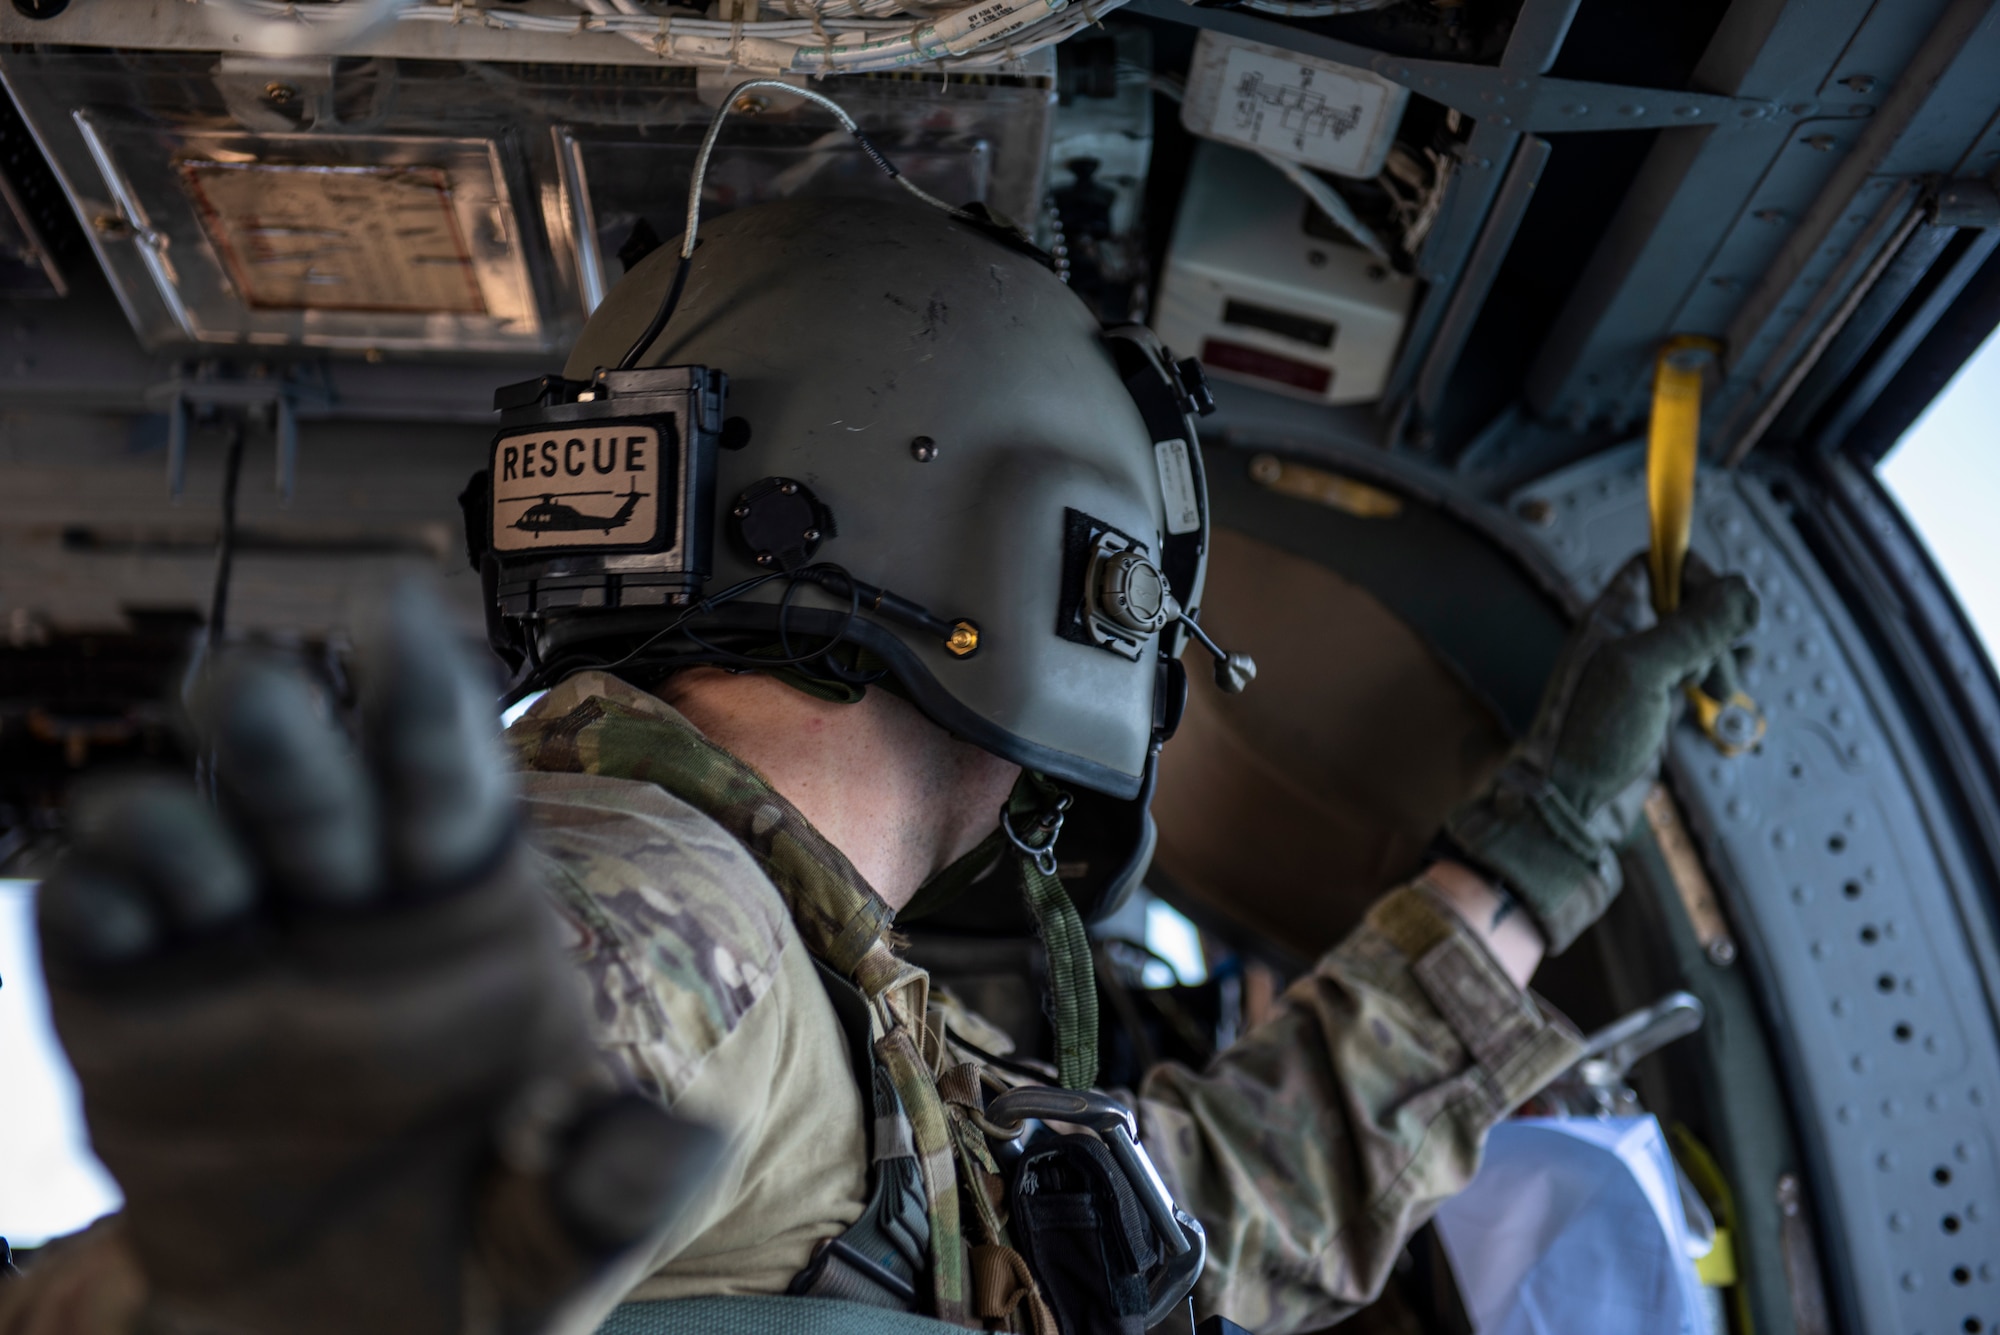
[1334, 117]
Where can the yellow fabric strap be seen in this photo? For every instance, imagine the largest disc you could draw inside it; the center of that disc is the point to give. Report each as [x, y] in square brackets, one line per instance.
[1672, 445]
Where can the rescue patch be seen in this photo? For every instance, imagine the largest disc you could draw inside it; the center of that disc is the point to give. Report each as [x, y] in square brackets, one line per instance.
[590, 485]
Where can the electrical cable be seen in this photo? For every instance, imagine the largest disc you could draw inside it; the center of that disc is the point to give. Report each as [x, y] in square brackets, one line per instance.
[690, 236]
[1314, 9]
[840, 37]
[548, 672]
[225, 543]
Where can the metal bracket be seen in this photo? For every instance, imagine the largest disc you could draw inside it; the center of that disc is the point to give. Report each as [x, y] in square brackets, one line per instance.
[186, 398]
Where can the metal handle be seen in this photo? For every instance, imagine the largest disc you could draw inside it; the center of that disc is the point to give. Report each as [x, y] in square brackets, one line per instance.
[1621, 1044]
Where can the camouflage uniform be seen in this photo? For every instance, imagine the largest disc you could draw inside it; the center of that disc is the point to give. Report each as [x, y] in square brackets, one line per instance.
[699, 898]
[1309, 1150]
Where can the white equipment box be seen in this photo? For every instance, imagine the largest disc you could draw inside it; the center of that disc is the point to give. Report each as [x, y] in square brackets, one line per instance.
[1260, 299]
[1334, 117]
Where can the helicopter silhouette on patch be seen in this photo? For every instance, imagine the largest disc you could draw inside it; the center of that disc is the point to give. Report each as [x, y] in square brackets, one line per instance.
[550, 515]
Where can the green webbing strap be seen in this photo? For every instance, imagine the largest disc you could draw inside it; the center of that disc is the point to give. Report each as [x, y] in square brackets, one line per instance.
[1033, 817]
[1030, 824]
[1072, 1000]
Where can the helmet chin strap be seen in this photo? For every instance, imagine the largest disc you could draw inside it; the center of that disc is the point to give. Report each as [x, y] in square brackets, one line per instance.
[1031, 821]
[1072, 996]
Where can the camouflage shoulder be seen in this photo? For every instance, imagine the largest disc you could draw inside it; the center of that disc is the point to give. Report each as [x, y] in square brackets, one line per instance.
[676, 929]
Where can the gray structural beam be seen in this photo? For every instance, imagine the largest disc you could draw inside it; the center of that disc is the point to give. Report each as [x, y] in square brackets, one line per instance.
[1516, 96]
[1447, 249]
[1467, 297]
[1763, 243]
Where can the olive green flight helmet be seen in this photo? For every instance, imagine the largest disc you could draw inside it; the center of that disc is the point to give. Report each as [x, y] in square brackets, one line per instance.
[925, 446]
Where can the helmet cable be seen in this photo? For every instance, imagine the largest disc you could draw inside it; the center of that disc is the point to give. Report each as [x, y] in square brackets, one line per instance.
[658, 324]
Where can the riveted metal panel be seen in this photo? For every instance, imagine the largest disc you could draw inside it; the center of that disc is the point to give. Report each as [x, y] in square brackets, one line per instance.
[1860, 914]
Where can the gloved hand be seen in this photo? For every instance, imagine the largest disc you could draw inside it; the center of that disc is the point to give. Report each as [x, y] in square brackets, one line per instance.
[1548, 824]
[328, 1041]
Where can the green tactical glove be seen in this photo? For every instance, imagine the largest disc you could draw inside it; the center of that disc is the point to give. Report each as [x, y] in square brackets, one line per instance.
[328, 1040]
[1548, 825]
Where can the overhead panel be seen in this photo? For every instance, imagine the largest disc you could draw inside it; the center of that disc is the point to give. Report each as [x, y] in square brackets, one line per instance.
[393, 242]
[449, 208]
[1720, 123]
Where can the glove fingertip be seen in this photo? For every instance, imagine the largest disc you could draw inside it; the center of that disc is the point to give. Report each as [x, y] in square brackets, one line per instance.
[1742, 608]
[629, 1168]
[92, 918]
[432, 731]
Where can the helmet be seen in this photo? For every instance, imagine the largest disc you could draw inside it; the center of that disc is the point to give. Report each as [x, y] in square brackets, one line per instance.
[887, 427]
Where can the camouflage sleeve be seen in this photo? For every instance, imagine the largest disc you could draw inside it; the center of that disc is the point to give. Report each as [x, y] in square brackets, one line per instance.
[1313, 1147]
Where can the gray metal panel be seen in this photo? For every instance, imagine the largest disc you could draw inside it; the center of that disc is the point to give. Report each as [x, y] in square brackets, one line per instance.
[1921, 129]
[1468, 294]
[1759, 391]
[1468, 199]
[1539, 30]
[1883, 365]
[1514, 97]
[1601, 344]
[1860, 917]
[1699, 227]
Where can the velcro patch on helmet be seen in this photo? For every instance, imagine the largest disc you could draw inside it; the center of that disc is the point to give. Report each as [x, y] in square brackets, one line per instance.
[587, 485]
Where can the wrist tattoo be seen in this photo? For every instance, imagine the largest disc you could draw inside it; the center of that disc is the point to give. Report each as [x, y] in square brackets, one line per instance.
[1502, 910]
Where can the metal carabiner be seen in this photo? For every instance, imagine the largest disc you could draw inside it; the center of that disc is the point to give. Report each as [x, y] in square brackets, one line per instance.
[1186, 1244]
[1049, 825]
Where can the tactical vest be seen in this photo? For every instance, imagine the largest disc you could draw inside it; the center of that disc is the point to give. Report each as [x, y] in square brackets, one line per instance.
[1066, 1234]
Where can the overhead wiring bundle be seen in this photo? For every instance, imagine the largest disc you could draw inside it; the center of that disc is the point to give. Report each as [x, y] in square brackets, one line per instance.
[812, 37]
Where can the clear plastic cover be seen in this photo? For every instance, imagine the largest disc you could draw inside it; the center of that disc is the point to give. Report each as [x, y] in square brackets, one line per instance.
[454, 207]
[337, 240]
